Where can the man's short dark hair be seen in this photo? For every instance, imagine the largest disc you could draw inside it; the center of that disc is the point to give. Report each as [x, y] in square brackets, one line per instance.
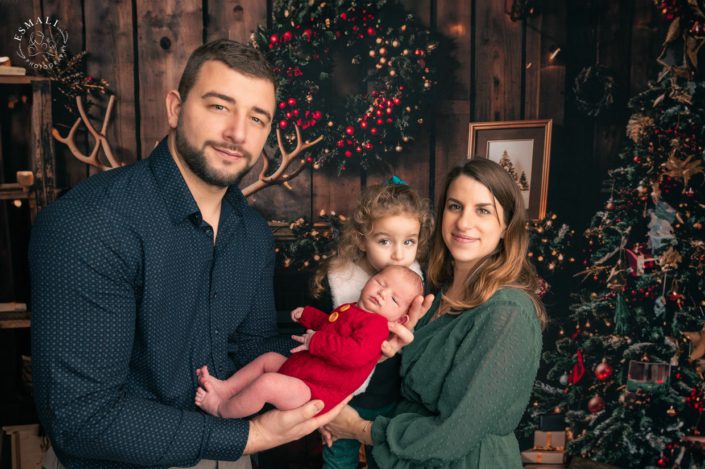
[239, 57]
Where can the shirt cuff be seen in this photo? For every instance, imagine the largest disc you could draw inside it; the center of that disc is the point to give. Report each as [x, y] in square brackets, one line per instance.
[225, 438]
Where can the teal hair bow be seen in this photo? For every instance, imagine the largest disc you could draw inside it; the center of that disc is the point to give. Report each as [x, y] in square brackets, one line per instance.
[397, 180]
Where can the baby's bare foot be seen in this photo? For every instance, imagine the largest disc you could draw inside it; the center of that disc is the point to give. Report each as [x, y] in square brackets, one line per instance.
[211, 393]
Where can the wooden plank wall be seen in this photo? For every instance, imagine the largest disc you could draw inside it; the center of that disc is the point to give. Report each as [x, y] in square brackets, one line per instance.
[500, 70]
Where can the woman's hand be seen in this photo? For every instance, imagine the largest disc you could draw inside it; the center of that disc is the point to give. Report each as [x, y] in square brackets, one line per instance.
[347, 425]
[401, 334]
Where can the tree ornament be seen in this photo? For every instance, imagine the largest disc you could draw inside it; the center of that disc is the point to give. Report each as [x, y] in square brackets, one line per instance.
[603, 371]
[563, 379]
[683, 169]
[576, 374]
[302, 46]
[610, 204]
[671, 412]
[663, 461]
[596, 404]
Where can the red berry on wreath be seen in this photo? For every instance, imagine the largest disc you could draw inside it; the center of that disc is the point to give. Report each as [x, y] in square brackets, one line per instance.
[349, 130]
[282, 105]
[283, 123]
[291, 101]
[373, 130]
[348, 153]
[363, 124]
[287, 36]
[370, 31]
[316, 114]
[273, 38]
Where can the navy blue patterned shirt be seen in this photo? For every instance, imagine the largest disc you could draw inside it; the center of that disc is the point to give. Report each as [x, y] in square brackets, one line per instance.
[130, 296]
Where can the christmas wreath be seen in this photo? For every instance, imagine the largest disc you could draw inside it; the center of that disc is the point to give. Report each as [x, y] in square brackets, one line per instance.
[359, 74]
[594, 89]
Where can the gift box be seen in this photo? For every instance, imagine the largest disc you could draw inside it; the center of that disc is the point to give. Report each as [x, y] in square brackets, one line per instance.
[549, 441]
[543, 457]
[552, 423]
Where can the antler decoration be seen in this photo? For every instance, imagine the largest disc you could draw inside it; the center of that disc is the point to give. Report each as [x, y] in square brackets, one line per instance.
[101, 141]
[279, 176]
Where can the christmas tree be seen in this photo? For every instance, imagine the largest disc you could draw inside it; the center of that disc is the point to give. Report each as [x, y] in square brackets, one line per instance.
[627, 370]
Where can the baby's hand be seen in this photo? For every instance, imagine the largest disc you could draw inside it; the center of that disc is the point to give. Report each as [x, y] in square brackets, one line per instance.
[304, 339]
[296, 313]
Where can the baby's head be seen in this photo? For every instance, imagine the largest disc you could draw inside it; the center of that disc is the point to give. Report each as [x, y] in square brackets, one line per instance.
[390, 292]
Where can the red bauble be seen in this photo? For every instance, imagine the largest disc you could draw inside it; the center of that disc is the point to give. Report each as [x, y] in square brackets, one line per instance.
[596, 404]
[603, 371]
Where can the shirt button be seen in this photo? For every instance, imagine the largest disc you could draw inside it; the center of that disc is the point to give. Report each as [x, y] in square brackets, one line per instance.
[216, 332]
[214, 295]
[333, 316]
[344, 308]
[220, 368]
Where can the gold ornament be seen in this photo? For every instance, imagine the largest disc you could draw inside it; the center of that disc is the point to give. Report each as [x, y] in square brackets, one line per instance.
[671, 412]
[398, 148]
[683, 169]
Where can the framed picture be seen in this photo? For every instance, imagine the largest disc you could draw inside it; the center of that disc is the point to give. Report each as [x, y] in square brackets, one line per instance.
[523, 148]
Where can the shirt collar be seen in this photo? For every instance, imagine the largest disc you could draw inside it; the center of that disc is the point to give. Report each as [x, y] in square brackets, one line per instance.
[176, 194]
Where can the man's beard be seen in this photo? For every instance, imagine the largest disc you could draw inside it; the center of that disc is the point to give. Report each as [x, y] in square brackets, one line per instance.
[196, 161]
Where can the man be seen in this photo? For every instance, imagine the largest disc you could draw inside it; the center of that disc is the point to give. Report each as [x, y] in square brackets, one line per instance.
[143, 274]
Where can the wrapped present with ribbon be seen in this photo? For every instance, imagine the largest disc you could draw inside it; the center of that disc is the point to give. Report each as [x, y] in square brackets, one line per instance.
[549, 448]
[638, 262]
[549, 441]
[543, 457]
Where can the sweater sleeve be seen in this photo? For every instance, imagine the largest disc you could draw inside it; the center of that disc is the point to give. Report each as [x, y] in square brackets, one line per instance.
[484, 391]
[313, 318]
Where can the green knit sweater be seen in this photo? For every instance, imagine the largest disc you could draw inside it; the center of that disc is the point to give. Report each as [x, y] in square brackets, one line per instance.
[466, 381]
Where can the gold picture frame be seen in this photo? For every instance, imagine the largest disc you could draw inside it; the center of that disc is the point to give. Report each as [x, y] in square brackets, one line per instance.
[523, 148]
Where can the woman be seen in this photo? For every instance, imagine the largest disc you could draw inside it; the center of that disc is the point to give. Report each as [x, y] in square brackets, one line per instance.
[468, 374]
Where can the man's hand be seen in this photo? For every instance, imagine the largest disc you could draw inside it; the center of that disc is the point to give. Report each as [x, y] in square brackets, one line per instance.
[304, 339]
[401, 334]
[296, 313]
[277, 427]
